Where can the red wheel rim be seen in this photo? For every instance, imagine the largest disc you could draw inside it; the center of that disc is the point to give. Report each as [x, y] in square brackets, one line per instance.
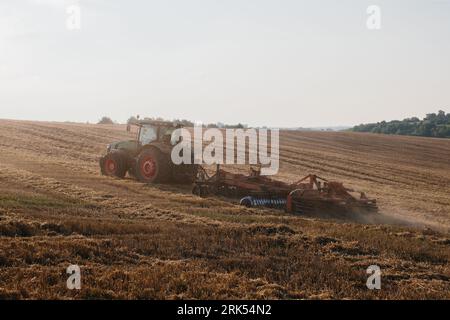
[110, 166]
[148, 167]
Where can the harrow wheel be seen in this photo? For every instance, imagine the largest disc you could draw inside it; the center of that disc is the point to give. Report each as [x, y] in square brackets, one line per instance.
[201, 190]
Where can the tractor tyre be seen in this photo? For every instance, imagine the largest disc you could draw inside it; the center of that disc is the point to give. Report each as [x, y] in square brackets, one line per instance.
[152, 166]
[114, 164]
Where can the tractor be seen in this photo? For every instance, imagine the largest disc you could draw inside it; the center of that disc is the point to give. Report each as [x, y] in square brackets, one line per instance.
[148, 157]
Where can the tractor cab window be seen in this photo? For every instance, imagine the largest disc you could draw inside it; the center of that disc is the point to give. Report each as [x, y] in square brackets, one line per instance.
[147, 135]
[166, 134]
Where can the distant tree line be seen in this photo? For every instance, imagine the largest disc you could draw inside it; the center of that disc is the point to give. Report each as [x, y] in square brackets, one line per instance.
[183, 122]
[433, 125]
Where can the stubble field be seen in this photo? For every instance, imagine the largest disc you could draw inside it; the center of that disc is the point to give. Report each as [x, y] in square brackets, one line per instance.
[137, 241]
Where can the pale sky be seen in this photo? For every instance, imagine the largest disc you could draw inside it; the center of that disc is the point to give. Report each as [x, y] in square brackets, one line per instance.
[282, 63]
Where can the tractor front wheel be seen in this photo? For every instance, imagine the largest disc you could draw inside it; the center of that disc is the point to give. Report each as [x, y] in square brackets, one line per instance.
[113, 164]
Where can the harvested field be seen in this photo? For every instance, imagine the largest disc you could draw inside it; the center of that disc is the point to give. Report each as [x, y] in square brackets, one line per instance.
[138, 241]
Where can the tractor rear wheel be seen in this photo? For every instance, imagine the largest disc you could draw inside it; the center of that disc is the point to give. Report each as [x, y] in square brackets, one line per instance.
[153, 166]
[114, 164]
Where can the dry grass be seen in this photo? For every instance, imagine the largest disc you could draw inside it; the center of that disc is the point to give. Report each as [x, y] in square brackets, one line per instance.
[135, 241]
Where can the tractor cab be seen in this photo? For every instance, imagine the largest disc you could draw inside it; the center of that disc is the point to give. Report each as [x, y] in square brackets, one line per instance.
[149, 132]
[155, 131]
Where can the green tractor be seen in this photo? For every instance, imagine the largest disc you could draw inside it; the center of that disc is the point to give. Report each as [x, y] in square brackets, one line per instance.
[148, 157]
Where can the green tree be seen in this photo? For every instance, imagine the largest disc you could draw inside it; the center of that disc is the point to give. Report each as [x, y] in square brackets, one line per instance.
[105, 120]
[132, 120]
[433, 125]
